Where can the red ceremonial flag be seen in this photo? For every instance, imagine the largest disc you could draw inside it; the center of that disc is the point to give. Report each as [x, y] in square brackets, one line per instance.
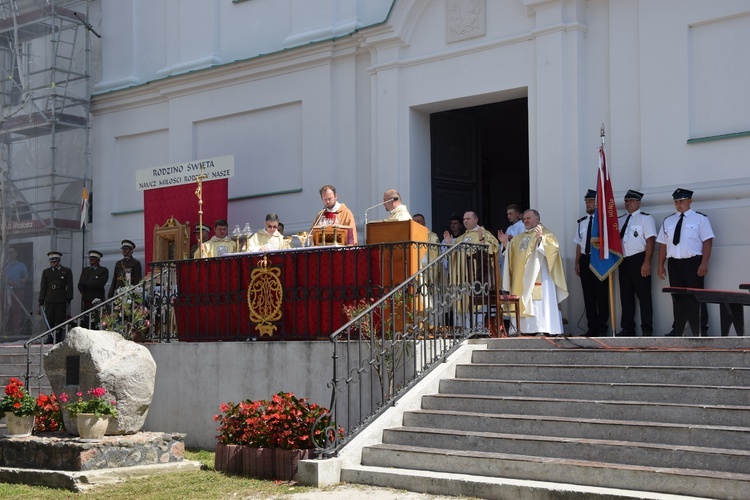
[605, 227]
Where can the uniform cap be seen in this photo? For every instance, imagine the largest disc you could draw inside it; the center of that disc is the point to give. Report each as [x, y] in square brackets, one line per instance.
[95, 254]
[204, 227]
[633, 195]
[127, 244]
[54, 255]
[590, 194]
[682, 194]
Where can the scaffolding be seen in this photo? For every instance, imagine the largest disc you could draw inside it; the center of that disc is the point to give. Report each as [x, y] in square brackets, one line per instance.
[45, 56]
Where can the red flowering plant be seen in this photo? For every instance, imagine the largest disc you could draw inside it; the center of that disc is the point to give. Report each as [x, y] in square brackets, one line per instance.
[98, 403]
[17, 399]
[242, 423]
[49, 417]
[283, 422]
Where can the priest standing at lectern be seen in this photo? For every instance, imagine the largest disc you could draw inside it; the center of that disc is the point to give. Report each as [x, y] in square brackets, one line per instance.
[396, 209]
[335, 211]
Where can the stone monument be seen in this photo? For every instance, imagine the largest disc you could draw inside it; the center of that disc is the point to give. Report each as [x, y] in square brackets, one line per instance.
[87, 359]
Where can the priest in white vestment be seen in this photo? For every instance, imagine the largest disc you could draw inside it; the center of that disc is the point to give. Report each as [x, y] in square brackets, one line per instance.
[268, 238]
[396, 209]
[533, 271]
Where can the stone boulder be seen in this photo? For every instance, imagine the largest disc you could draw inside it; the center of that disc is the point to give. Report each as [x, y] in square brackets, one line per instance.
[88, 358]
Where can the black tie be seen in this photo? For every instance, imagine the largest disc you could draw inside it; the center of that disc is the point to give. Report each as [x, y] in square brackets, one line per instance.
[624, 226]
[677, 231]
[588, 236]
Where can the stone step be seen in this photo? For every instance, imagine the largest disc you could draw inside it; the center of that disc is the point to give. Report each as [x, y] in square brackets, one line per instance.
[630, 374]
[646, 393]
[597, 450]
[496, 475]
[711, 436]
[694, 414]
[621, 344]
[704, 357]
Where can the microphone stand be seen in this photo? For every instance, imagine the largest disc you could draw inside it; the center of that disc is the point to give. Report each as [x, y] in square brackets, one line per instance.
[315, 223]
[375, 206]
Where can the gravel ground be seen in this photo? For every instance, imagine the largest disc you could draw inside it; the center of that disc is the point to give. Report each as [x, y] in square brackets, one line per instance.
[357, 491]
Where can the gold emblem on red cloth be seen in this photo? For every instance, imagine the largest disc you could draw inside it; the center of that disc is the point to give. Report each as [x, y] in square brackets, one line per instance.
[265, 297]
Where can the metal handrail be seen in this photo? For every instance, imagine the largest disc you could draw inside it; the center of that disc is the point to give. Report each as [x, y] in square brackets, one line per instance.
[389, 346]
[89, 318]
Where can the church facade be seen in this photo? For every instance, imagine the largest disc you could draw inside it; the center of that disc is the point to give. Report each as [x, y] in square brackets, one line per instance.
[458, 104]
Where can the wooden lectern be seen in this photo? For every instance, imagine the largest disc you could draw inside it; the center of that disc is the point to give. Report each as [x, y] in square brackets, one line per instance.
[399, 262]
[331, 235]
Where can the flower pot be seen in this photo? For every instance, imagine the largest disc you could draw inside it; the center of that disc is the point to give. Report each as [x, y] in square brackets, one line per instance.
[286, 461]
[228, 458]
[258, 462]
[19, 426]
[92, 427]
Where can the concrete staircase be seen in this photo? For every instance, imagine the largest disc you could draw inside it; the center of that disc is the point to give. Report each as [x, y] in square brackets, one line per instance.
[578, 418]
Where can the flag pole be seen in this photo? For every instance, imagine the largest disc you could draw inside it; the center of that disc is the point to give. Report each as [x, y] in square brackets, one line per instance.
[611, 280]
[84, 219]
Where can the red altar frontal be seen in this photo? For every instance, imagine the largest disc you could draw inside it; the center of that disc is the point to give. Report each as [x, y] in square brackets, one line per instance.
[282, 295]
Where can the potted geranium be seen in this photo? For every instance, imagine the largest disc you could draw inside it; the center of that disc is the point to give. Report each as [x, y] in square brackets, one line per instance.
[49, 416]
[19, 408]
[92, 414]
[268, 438]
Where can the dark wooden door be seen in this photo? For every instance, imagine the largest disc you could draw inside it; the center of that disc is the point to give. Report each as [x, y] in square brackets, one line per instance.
[456, 169]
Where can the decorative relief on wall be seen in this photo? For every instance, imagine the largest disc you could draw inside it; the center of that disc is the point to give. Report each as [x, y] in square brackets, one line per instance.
[464, 19]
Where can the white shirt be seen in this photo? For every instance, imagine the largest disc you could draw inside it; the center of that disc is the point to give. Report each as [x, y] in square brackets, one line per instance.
[516, 228]
[695, 230]
[580, 237]
[640, 228]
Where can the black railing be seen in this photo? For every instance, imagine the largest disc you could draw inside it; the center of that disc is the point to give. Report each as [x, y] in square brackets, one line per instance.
[120, 306]
[391, 343]
[299, 294]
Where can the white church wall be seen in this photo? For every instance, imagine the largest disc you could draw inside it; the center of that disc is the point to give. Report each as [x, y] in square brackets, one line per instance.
[355, 112]
[173, 37]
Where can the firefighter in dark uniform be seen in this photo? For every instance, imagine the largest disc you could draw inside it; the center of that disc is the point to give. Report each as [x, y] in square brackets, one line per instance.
[56, 291]
[127, 271]
[638, 235]
[595, 291]
[92, 281]
[685, 241]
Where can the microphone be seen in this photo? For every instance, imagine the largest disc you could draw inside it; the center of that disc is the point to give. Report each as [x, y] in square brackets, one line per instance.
[315, 222]
[395, 198]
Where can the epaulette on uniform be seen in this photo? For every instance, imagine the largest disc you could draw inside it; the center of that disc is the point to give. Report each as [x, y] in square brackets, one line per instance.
[645, 213]
[704, 215]
[582, 219]
[670, 215]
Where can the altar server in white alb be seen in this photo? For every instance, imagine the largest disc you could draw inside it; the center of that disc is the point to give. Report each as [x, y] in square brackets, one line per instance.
[686, 239]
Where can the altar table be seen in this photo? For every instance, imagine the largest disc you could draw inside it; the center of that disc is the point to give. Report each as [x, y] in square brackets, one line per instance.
[212, 301]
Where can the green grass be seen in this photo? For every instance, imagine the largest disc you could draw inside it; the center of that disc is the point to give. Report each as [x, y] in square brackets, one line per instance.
[206, 483]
